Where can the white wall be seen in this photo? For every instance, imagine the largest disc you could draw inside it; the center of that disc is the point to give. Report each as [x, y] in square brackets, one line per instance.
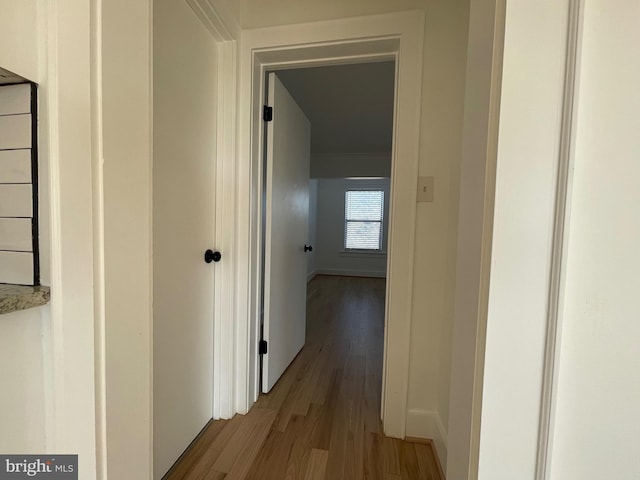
[22, 404]
[529, 138]
[312, 229]
[597, 419]
[20, 38]
[330, 255]
[335, 165]
[445, 50]
[125, 129]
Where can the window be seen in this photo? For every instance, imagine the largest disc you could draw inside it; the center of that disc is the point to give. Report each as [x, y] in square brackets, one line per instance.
[363, 219]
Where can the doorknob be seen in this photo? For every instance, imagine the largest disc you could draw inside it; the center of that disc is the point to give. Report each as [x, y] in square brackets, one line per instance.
[308, 248]
[211, 256]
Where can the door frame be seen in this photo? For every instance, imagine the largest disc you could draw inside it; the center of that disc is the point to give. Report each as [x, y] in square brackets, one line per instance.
[221, 24]
[397, 36]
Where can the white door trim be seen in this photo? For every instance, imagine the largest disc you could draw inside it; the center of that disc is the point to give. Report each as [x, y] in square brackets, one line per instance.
[224, 304]
[224, 30]
[475, 234]
[71, 337]
[399, 36]
[564, 182]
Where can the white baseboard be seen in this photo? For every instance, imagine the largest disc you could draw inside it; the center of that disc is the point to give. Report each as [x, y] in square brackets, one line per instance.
[310, 276]
[428, 425]
[352, 273]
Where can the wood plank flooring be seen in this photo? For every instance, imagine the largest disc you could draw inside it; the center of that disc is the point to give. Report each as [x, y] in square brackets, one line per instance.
[322, 419]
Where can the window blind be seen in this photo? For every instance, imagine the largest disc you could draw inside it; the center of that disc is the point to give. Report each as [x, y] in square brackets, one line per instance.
[363, 219]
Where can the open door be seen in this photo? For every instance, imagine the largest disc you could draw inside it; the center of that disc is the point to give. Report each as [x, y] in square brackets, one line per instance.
[286, 212]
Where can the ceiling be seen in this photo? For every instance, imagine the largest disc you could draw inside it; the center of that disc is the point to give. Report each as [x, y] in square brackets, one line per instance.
[263, 13]
[350, 106]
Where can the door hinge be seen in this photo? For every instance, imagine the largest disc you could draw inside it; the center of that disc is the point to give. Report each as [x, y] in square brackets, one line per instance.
[262, 347]
[267, 113]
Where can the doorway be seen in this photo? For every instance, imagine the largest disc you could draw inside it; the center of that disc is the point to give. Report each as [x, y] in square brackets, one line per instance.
[343, 168]
[396, 37]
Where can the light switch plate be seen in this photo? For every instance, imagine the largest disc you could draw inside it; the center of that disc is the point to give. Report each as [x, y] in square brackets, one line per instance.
[425, 189]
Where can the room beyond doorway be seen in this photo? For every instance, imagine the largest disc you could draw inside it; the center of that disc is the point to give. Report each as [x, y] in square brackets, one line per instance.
[328, 133]
[351, 110]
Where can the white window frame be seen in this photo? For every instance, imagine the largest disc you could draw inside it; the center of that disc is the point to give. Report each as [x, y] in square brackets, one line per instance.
[381, 221]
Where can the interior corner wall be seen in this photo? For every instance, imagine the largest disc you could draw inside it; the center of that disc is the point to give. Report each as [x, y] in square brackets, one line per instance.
[331, 259]
[445, 50]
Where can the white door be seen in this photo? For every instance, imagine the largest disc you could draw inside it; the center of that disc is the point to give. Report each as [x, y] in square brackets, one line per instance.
[287, 209]
[184, 167]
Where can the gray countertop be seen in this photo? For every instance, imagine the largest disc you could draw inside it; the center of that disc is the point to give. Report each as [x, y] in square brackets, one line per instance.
[21, 297]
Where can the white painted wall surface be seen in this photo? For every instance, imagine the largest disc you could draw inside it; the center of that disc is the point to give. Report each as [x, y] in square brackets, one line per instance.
[434, 273]
[312, 231]
[597, 418]
[336, 165]
[20, 37]
[22, 403]
[330, 256]
[125, 95]
[527, 162]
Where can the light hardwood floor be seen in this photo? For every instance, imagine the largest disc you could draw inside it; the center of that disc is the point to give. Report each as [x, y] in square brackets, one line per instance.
[322, 418]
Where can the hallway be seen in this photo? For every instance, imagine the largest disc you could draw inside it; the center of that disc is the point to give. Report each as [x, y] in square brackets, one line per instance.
[321, 420]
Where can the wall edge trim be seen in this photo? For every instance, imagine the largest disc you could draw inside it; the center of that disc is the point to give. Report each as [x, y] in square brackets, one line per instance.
[560, 228]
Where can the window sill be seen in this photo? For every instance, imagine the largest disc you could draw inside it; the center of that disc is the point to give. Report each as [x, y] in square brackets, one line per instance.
[21, 297]
[363, 253]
